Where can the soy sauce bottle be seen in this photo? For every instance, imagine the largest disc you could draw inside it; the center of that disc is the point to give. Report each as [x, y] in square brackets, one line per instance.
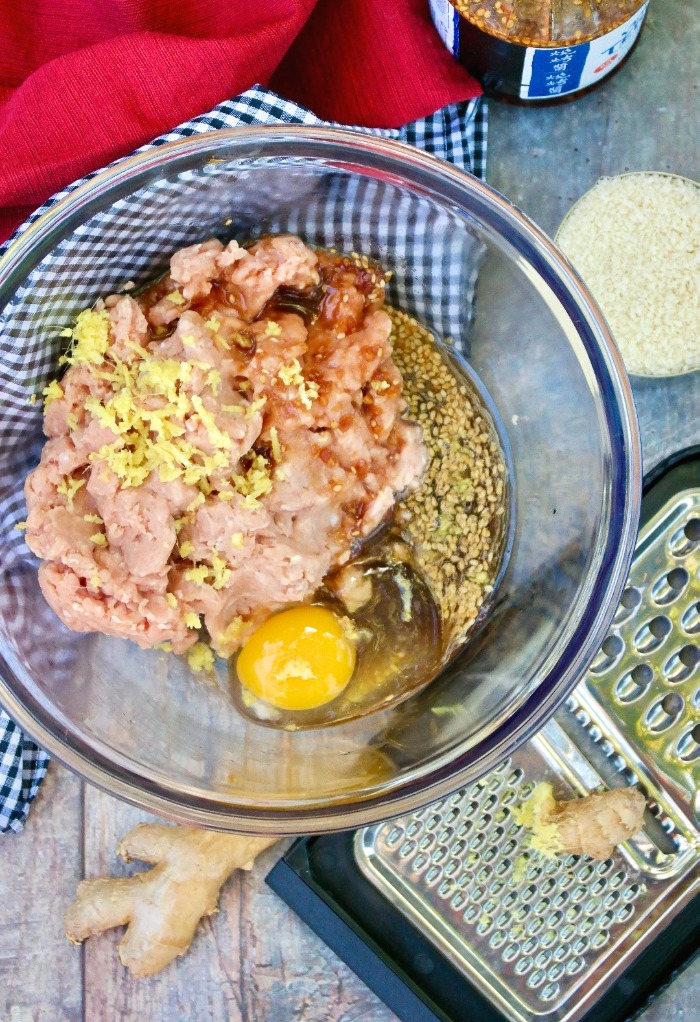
[539, 51]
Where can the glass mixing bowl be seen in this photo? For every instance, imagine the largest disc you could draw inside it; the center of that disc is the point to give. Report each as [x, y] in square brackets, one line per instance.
[136, 722]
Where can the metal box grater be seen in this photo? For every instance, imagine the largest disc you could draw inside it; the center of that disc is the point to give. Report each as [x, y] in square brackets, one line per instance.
[446, 914]
[541, 938]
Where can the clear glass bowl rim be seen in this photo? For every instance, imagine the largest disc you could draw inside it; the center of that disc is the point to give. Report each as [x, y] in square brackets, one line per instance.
[350, 150]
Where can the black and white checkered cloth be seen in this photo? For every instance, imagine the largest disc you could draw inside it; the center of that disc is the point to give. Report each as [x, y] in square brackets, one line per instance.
[132, 240]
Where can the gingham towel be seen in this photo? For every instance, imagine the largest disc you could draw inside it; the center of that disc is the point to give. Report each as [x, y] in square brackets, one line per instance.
[456, 133]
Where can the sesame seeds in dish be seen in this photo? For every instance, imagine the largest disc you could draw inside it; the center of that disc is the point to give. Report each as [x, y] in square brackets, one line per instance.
[238, 440]
[635, 240]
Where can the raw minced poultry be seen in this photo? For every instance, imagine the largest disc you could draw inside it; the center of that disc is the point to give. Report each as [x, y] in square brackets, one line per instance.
[224, 439]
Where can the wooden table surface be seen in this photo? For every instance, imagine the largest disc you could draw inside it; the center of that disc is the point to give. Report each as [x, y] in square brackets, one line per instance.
[254, 961]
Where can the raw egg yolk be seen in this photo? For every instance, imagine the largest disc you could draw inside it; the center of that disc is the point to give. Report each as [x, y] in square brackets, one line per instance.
[297, 660]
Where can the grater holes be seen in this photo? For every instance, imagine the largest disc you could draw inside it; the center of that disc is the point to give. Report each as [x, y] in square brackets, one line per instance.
[688, 747]
[534, 926]
[555, 971]
[601, 938]
[690, 621]
[628, 603]
[608, 655]
[685, 538]
[510, 952]
[682, 664]
[624, 913]
[536, 979]
[663, 713]
[548, 938]
[634, 684]
[587, 924]
[394, 836]
[433, 875]
[523, 966]
[631, 598]
[549, 992]
[498, 939]
[668, 587]
[652, 634]
[574, 965]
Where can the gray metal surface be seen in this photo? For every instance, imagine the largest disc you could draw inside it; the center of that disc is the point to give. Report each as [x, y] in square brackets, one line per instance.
[543, 938]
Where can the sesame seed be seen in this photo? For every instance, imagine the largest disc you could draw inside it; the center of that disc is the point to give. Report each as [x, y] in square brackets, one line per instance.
[455, 529]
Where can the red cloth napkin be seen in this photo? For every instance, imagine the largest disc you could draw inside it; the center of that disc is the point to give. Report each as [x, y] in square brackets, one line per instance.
[85, 81]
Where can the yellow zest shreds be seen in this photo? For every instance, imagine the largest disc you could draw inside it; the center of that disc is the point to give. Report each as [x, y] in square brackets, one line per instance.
[221, 573]
[171, 600]
[21, 526]
[66, 332]
[95, 580]
[188, 340]
[231, 634]
[234, 409]
[54, 392]
[93, 519]
[176, 298]
[193, 620]
[275, 444]
[138, 348]
[186, 548]
[71, 421]
[379, 385]
[255, 483]
[31, 400]
[90, 338]
[69, 487]
[273, 329]
[292, 376]
[214, 380]
[237, 540]
[180, 523]
[212, 324]
[151, 439]
[166, 647]
[255, 406]
[200, 658]
[226, 495]
[197, 502]
[216, 574]
[197, 575]
[219, 439]
[99, 539]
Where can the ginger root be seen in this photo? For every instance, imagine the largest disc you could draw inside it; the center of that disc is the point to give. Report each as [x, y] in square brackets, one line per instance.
[162, 906]
[591, 826]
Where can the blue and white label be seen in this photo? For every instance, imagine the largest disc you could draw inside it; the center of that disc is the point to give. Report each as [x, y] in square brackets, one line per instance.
[446, 21]
[559, 71]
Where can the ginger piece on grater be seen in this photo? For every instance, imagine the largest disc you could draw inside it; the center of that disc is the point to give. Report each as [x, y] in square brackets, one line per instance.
[591, 826]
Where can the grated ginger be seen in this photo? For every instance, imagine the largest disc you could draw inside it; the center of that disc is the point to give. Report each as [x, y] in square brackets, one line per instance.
[54, 392]
[200, 658]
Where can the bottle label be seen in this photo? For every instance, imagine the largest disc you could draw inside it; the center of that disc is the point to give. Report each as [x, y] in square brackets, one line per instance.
[446, 20]
[559, 71]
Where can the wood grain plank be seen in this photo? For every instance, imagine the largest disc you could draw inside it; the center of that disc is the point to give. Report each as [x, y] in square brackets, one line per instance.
[40, 972]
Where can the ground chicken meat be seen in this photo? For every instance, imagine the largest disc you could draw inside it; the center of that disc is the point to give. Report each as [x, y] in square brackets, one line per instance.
[218, 444]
